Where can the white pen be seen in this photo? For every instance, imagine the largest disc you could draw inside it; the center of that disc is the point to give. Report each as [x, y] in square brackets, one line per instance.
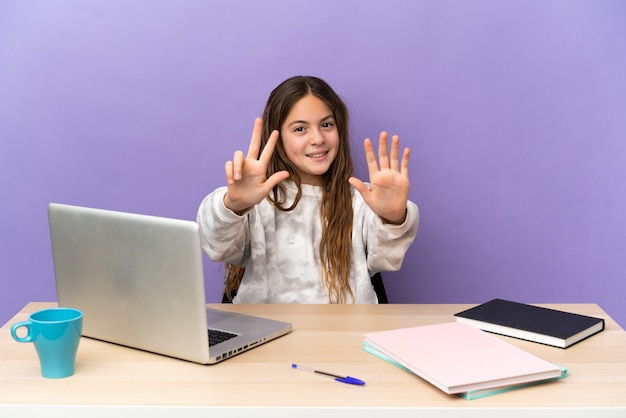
[343, 379]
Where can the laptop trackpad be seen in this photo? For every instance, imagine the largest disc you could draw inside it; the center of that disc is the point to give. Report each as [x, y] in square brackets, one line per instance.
[213, 316]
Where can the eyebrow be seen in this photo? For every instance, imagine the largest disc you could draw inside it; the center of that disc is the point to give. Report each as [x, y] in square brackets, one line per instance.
[304, 122]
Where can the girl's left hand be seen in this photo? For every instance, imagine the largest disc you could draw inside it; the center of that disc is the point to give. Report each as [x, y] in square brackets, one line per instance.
[389, 180]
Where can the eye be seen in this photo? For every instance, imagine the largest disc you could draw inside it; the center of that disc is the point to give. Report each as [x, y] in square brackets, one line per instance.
[328, 124]
[299, 129]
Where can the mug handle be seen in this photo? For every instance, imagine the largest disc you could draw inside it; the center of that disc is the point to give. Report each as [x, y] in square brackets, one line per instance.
[28, 338]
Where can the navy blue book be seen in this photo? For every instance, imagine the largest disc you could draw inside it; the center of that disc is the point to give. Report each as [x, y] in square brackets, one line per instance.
[532, 323]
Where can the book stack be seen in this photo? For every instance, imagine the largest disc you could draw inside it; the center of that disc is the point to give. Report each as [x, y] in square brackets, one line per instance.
[461, 359]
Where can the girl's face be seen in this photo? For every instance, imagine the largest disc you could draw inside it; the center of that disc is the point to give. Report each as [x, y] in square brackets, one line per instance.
[310, 138]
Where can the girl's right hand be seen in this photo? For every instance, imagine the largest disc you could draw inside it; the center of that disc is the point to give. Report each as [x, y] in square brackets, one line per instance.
[246, 177]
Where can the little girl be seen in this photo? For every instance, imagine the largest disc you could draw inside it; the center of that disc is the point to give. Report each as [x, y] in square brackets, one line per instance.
[293, 225]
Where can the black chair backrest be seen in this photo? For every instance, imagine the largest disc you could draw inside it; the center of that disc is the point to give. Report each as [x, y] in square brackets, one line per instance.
[379, 288]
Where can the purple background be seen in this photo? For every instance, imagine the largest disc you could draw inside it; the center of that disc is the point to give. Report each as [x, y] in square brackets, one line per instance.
[515, 112]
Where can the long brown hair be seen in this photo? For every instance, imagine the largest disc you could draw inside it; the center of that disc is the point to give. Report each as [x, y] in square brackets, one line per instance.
[336, 205]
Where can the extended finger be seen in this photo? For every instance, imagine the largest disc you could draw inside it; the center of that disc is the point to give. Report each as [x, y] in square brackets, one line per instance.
[268, 150]
[228, 168]
[404, 168]
[383, 156]
[370, 157]
[255, 141]
[395, 145]
[238, 161]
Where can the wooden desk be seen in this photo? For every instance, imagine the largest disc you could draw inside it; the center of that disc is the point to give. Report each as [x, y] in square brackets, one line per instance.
[112, 379]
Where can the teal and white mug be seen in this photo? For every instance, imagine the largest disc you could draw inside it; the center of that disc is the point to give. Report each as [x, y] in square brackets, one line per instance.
[55, 332]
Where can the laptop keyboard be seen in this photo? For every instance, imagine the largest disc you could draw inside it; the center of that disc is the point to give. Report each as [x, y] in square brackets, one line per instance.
[217, 336]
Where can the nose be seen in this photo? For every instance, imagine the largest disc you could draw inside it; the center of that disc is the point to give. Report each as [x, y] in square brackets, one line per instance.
[316, 137]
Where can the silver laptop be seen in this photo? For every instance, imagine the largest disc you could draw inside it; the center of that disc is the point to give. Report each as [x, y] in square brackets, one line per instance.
[138, 280]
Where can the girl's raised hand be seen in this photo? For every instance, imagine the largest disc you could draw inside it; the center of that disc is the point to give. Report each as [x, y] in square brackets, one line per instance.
[246, 176]
[389, 180]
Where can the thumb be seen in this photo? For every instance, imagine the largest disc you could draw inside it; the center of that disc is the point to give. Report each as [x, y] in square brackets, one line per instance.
[358, 185]
[276, 178]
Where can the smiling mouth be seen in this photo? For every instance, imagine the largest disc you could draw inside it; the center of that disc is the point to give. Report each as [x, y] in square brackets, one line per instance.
[317, 154]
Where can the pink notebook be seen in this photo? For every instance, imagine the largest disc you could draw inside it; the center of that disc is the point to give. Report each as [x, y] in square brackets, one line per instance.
[456, 357]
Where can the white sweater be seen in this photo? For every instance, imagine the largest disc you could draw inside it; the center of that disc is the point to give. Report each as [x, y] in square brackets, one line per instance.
[280, 250]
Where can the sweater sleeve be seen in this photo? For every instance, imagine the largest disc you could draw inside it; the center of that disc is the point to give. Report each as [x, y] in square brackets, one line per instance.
[223, 234]
[387, 244]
